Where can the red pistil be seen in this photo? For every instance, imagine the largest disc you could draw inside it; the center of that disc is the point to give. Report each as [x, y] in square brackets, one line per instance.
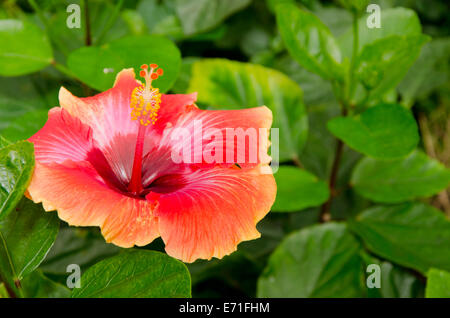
[135, 185]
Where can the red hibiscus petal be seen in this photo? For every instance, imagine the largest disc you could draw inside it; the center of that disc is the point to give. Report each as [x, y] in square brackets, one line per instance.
[62, 138]
[217, 143]
[214, 211]
[82, 198]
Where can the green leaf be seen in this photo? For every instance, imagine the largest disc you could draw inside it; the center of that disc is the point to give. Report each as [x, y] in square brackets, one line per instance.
[319, 261]
[76, 246]
[98, 66]
[4, 142]
[395, 281]
[414, 235]
[416, 176]
[202, 15]
[99, 14]
[430, 71]
[385, 131]
[19, 95]
[395, 21]
[3, 291]
[25, 126]
[309, 41]
[383, 64]
[298, 189]
[160, 18]
[16, 168]
[223, 83]
[354, 5]
[26, 235]
[136, 273]
[24, 48]
[438, 284]
[37, 285]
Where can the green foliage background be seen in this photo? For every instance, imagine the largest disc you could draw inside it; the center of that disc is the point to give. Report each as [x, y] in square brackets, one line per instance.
[364, 135]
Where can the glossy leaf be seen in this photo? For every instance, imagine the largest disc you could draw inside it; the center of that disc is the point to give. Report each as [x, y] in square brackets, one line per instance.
[76, 246]
[98, 66]
[26, 235]
[309, 41]
[415, 176]
[414, 235]
[383, 64]
[385, 131]
[394, 21]
[318, 261]
[222, 83]
[161, 18]
[297, 189]
[201, 15]
[430, 71]
[136, 273]
[24, 48]
[438, 284]
[16, 168]
[25, 126]
[37, 285]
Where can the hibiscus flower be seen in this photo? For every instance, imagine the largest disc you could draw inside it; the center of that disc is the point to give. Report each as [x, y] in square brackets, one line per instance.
[108, 161]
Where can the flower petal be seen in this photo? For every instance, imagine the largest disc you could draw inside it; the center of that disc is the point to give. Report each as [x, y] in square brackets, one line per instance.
[62, 138]
[226, 136]
[82, 198]
[109, 116]
[214, 211]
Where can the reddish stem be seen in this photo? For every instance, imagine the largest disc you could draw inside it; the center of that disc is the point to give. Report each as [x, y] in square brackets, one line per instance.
[135, 185]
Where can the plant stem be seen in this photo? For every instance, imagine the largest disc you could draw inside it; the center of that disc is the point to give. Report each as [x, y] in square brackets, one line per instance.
[348, 89]
[325, 215]
[88, 37]
[351, 87]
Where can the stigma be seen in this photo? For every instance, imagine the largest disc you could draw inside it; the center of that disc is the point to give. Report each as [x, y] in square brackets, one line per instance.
[145, 99]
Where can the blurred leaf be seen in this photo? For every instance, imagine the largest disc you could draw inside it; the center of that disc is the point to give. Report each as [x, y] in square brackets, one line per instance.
[383, 64]
[438, 284]
[430, 71]
[309, 41]
[298, 189]
[24, 48]
[161, 18]
[224, 83]
[98, 66]
[3, 291]
[395, 21]
[201, 15]
[385, 131]
[25, 126]
[182, 83]
[76, 246]
[354, 5]
[136, 274]
[100, 13]
[416, 176]
[36, 285]
[414, 235]
[395, 281]
[316, 90]
[26, 235]
[135, 21]
[16, 169]
[3, 142]
[319, 261]
[19, 95]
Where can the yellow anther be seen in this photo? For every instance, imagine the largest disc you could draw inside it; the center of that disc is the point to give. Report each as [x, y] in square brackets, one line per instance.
[145, 99]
